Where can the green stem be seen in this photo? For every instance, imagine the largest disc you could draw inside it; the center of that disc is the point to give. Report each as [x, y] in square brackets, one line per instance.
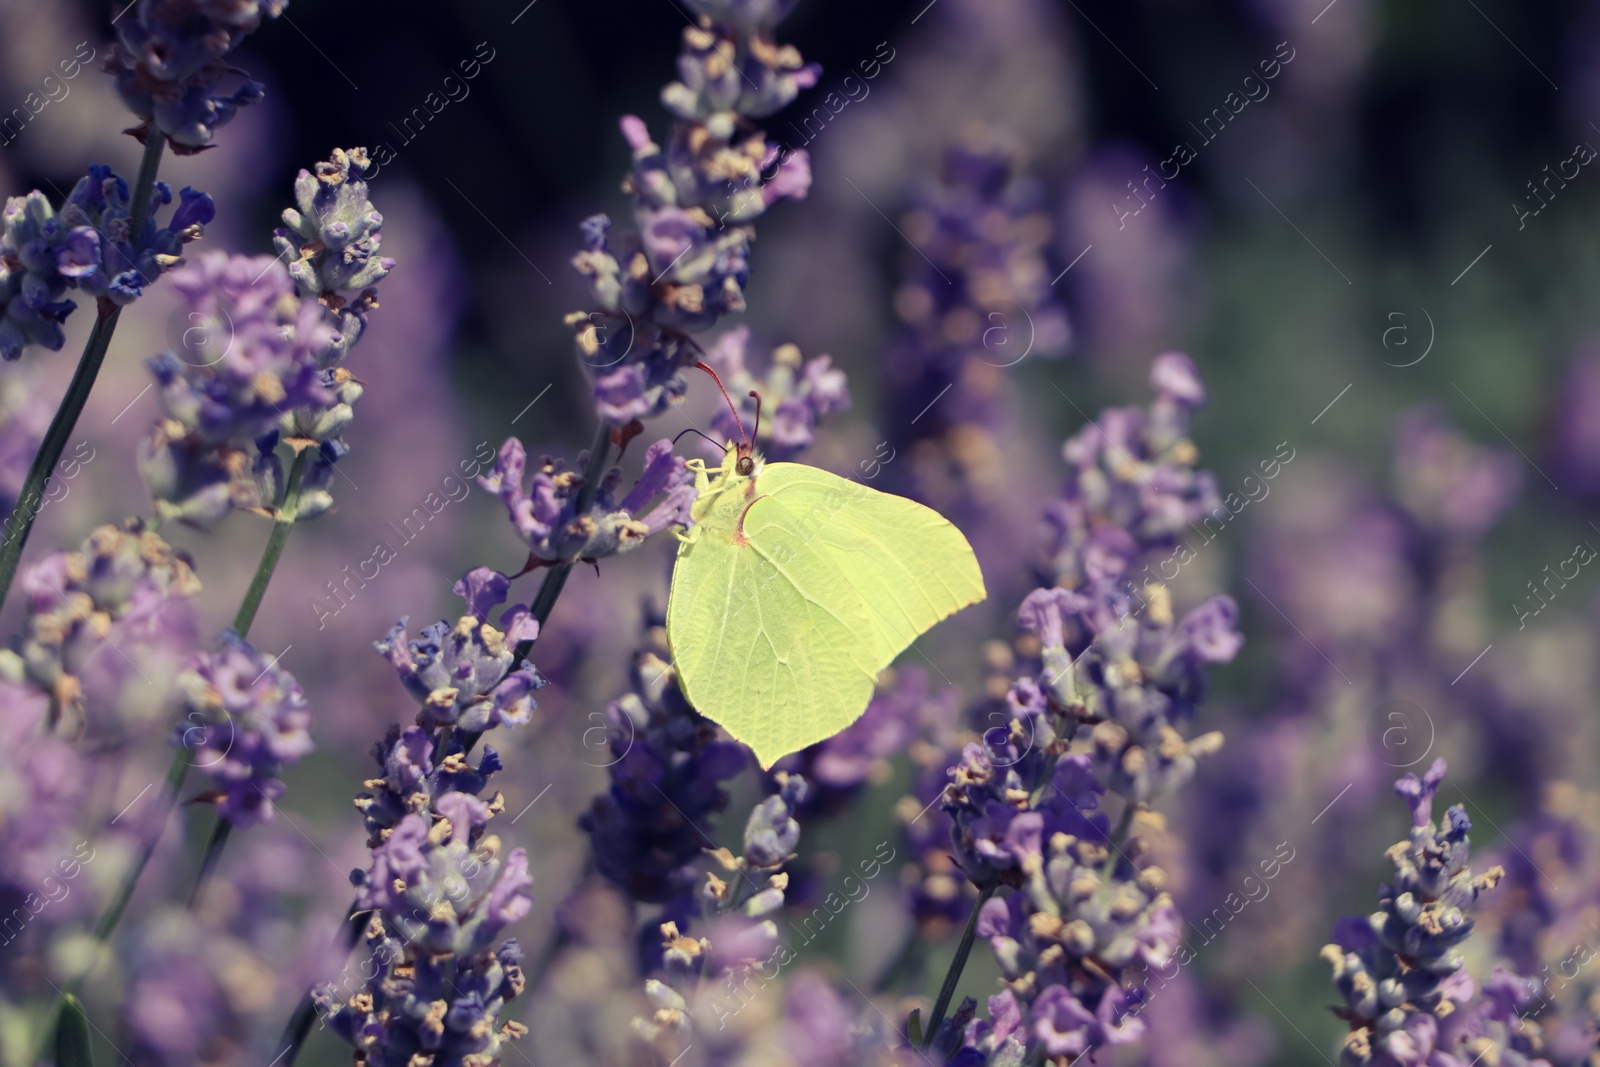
[1118, 836]
[29, 500]
[952, 977]
[214, 846]
[144, 185]
[288, 511]
[545, 601]
[279, 537]
[77, 395]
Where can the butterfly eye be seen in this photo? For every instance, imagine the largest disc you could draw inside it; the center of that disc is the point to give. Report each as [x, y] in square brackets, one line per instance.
[745, 465]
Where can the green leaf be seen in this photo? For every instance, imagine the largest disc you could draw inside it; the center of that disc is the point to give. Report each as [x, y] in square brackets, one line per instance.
[72, 1035]
[914, 1028]
[794, 589]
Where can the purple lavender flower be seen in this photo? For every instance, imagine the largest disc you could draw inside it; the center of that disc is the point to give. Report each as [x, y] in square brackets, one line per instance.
[795, 394]
[1087, 917]
[441, 888]
[245, 719]
[105, 623]
[1084, 923]
[977, 304]
[261, 361]
[441, 899]
[694, 203]
[41, 256]
[461, 674]
[706, 980]
[171, 56]
[1136, 680]
[1132, 489]
[330, 240]
[666, 778]
[131, 260]
[1399, 969]
[764, 79]
[545, 516]
[996, 828]
[249, 360]
[258, 356]
[89, 245]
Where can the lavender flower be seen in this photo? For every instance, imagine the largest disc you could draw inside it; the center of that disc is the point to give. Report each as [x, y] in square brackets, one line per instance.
[104, 623]
[269, 360]
[171, 56]
[440, 887]
[763, 79]
[442, 894]
[255, 357]
[1132, 490]
[707, 980]
[795, 394]
[244, 718]
[545, 516]
[89, 245]
[462, 674]
[977, 304]
[330, 240]
[1135, 681]
[262, 360]
[694, 202]
[1086, 920]
[666, 778]
[41, 257]
[133, 252]
[1399, 969]
[1088, 917]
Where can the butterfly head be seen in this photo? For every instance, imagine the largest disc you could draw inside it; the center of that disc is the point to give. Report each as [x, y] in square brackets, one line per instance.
[741, 456]
[744, 462]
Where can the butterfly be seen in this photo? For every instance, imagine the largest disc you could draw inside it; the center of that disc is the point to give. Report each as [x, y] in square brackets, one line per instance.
[795, 587]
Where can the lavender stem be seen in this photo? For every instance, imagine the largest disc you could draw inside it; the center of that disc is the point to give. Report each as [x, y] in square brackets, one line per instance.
[952, 977]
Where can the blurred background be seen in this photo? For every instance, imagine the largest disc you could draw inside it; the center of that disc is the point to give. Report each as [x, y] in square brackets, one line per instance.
[1370, 224]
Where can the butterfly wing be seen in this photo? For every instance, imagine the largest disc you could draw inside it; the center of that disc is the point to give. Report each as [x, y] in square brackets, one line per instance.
[767, 634]
[909, 564]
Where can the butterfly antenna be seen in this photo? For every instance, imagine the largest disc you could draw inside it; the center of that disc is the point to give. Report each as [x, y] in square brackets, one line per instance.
[731, 407]
[692, 429]
[756, 432]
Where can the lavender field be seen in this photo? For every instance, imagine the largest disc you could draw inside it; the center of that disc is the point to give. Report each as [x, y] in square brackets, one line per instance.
[1105, 578]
